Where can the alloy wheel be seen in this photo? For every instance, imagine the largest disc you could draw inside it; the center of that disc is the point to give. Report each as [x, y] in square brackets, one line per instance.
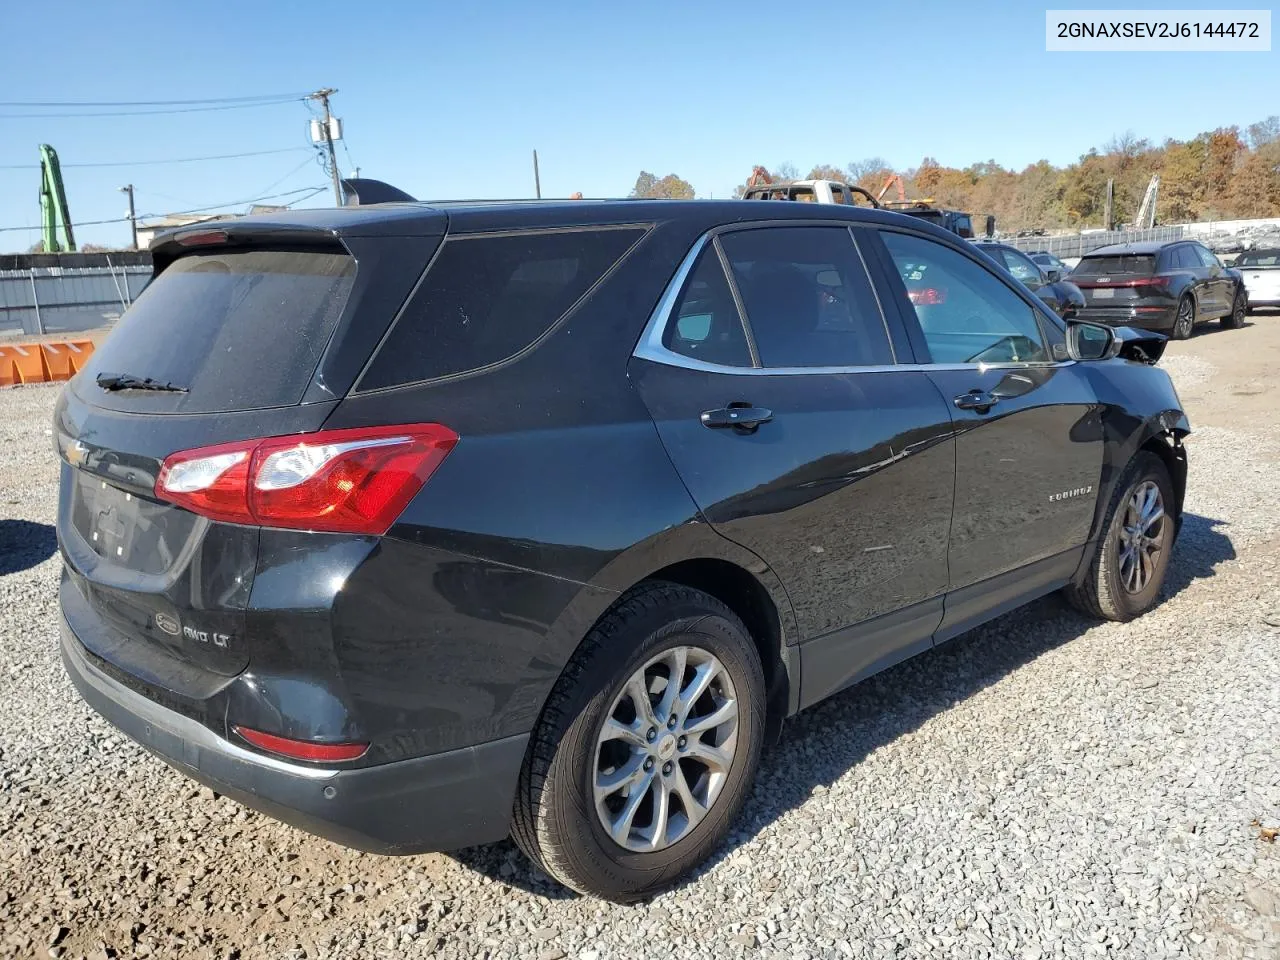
[665, 749]
[1186, 318]
[1142, 537]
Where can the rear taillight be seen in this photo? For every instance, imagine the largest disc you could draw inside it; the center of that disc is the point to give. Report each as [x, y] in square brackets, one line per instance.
[302, 749]
[1154, 281]
[340, 481]
[927, 296]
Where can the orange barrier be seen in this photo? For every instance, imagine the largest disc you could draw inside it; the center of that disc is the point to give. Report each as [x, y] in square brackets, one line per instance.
[41, 362]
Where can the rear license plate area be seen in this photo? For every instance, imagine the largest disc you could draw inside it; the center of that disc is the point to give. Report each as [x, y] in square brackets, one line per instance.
[1104, 293]
[110, 519]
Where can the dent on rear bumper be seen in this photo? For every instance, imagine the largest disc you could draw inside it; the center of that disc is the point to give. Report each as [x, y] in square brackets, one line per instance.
[440, 802]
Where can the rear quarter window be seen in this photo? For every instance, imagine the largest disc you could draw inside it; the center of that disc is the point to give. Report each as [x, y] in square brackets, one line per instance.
[486, 298]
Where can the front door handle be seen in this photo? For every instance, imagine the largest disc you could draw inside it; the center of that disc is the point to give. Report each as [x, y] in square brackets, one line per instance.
[978, 400]
[741, 416]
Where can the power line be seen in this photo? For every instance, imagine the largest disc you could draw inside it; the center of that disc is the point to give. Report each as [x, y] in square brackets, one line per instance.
[152, 163]
[145, 113]
[308, 191]
[150, 103]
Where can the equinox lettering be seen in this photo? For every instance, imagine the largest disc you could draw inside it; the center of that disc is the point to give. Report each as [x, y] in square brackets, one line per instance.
[1068, 494]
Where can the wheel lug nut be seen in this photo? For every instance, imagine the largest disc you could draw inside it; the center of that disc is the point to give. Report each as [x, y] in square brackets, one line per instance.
[648, 764]
[671, 722]
[667, 768]
[682, 742]
[652, 735]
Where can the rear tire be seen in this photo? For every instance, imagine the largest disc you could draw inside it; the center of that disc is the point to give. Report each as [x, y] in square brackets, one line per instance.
[1184, 318]
[1124, 578]
[1235, 319]
[571, 817]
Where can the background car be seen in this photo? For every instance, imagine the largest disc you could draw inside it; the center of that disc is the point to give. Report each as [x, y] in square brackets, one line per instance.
[1048, 262]
[1260, 270]
[1062, 296]
[1168, 287]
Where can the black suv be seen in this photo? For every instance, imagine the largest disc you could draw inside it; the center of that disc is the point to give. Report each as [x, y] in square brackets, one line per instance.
[418, 525]
[1168, 287]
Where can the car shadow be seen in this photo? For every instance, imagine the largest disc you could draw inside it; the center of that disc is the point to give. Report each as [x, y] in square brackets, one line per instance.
[820, 745]
[1209, 327]
[24, 544]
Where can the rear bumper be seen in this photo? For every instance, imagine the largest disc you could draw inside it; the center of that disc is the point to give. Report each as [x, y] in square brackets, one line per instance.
[440, 802]
[1161, 320]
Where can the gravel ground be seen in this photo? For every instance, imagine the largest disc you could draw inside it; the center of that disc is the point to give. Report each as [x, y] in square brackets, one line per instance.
[1043, 787]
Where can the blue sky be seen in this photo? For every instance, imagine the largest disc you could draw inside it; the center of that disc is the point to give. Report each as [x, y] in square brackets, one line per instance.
[449, 100]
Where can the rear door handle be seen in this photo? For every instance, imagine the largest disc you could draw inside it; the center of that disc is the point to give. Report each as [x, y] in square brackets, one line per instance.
[978, 400]
[742, 416]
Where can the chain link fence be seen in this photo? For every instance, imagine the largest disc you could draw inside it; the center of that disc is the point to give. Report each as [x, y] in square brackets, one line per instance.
[1223, 237]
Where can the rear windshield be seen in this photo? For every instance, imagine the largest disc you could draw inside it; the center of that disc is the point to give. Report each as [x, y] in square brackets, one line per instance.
[1260, 258]
[239, 329]
[1139, 264]
[486, 298]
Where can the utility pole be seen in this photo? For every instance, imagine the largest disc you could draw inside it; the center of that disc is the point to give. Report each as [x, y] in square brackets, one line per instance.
[323, 96]
[133, 218]
[537, 182]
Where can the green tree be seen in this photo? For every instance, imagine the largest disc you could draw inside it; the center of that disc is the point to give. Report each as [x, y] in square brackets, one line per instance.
[669, 187]
[927, 176]
[1181, 184]
[1223, 151]
[1255, 188]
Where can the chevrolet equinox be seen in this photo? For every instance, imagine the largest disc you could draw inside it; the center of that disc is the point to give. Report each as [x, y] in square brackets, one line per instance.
[420, 525]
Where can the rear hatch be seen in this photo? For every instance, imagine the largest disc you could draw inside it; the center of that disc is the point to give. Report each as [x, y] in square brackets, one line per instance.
[1118, 281]
[225, 344]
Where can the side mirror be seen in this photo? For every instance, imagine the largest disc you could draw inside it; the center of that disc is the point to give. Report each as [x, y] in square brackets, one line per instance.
[1055, 276]
[1091, 341]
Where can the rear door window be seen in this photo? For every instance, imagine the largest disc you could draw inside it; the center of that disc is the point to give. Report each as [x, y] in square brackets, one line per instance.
[239, 329]
[486, 298]
[808, 299]
[1185, 258]
[1207, 256]
[1021, 266]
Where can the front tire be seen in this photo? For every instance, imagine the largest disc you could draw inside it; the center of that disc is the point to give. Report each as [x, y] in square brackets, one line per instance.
[1184, 319]
[1124, 579]
[1235, 319]
[631, 779]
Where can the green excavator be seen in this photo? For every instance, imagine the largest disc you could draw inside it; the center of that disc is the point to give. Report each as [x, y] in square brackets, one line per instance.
[53, 204]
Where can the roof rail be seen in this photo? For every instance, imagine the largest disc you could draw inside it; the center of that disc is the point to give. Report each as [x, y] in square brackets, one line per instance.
[360, 192]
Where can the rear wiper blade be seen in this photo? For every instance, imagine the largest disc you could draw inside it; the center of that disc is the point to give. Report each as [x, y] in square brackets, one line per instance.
[128, 381]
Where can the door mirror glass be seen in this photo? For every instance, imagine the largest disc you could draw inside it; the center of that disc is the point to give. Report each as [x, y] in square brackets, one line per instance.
[1054, 276]
[1090, 341]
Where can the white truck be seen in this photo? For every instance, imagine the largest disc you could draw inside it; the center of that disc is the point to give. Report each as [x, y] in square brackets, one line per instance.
[811, 191]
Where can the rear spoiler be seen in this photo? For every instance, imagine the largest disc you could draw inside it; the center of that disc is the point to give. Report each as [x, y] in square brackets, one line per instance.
[360, 192]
